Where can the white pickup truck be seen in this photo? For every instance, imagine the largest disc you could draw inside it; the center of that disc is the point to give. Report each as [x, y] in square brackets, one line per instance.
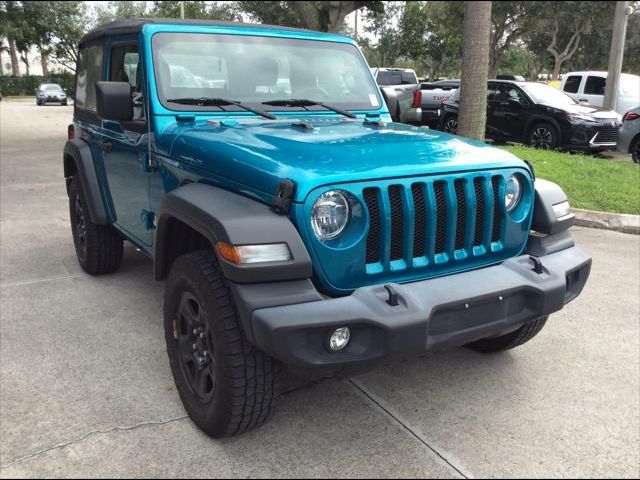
[401, 91]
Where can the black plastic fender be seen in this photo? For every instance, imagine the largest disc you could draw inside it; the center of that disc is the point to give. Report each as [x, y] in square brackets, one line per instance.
[80, 153]
[224, 216]
[549, 194]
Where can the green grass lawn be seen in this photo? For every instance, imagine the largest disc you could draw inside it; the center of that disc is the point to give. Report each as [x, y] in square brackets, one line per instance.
[591, 183]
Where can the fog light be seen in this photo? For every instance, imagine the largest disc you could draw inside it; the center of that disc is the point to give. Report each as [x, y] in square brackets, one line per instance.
[339, 339]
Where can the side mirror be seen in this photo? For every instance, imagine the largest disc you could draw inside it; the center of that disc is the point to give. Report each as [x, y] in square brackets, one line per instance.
[113, 101]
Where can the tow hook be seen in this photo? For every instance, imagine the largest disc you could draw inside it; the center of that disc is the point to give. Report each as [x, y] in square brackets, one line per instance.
[537, 265]
[393, 296]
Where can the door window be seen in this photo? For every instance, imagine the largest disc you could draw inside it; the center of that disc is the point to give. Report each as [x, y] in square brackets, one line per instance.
[124, 67]
[89, 71]
[595, 86]
[572, 84]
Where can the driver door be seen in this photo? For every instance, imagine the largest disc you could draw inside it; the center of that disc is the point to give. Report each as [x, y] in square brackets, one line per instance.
[126, 148]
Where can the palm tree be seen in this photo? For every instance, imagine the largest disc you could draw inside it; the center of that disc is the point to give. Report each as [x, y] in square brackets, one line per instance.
[472, 112]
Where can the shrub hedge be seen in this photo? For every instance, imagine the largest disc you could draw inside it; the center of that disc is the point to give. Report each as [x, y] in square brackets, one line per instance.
[26, 85]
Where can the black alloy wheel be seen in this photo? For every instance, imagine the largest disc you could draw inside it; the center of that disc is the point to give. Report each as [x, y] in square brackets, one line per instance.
[195, 346]
[543, 137]
[451, 125]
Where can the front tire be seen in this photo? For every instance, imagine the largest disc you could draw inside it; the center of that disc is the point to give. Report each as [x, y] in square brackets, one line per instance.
[227, 385]
[98, 247]
[510, 340]
[635, 150]
[543, 136]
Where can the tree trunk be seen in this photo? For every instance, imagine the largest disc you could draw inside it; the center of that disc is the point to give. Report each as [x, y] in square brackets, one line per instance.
[25, 59]
[472, 112]
[43, 61]
[556, 67]
[13, 52]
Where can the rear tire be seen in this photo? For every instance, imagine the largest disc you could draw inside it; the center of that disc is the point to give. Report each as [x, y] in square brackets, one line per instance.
[450, 124]
[227, 386]
[98, 247]
[510, 340]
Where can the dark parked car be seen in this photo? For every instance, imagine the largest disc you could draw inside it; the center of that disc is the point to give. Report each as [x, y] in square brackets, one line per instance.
[50, 93]
[541, 116]
[515, 78]
[433, 95]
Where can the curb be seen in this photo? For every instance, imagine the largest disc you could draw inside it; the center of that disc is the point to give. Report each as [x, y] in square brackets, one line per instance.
[619, 222]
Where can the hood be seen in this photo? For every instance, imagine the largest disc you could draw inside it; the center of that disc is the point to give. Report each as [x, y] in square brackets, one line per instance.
[322, 151]
[587, 110]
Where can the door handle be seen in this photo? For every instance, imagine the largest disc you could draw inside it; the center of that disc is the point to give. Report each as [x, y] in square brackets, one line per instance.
[106, 146]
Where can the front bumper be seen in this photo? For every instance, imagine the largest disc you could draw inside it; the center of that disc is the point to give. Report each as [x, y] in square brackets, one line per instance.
[595, 137]
[432, 314]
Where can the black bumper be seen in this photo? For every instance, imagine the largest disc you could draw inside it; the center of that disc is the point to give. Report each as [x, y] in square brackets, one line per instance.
[432, 314]
[594, 137]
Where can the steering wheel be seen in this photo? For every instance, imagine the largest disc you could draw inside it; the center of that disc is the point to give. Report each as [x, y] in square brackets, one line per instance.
[312, 93]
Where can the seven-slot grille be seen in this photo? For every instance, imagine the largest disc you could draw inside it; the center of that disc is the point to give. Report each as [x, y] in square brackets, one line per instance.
[434, 221]
[607, 135]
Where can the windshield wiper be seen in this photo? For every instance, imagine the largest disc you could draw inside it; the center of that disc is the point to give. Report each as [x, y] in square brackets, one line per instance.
[220, 102]
[303, 102]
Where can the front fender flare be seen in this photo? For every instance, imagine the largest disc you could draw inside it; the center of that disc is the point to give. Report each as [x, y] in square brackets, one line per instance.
[224, 216]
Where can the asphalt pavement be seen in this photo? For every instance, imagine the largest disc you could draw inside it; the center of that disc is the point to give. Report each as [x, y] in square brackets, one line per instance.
[86, 390]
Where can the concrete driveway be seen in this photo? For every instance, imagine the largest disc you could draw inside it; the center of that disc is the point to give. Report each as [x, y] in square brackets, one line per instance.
[85, 388]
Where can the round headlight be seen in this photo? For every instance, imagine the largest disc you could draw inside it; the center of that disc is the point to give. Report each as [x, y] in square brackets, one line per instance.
[330, 215]
[512, 193]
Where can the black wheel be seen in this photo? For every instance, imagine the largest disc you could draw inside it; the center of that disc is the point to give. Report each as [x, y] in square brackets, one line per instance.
[98, 247]
[227, 386]
[510, 340]
[543, 135]
[635, 150]
[450, 124]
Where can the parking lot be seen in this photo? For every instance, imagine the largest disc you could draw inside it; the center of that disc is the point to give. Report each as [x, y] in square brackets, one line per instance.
[86, 391]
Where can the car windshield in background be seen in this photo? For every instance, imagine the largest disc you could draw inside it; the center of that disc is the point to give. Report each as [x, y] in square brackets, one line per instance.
[51, 87]
[545, 94]
[253, 70]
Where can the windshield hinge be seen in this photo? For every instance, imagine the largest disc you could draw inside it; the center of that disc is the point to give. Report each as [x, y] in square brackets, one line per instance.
[283, 196]
[373, 119]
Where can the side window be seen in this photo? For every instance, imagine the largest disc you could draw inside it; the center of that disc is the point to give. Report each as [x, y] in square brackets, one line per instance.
[595, 86]
[492, 92]
[89, 71]
[408, 78]
[572, 84]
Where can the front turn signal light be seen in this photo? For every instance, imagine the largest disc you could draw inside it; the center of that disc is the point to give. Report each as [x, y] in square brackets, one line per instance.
[246, 254]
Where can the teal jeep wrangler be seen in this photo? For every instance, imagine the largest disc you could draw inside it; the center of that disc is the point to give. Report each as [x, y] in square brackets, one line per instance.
[294, 224]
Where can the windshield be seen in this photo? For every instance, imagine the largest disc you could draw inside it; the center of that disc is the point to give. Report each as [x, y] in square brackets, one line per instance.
[253, 70]
[541, 93]
[51, 87]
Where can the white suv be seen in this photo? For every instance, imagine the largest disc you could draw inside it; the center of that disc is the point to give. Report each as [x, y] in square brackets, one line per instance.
[588, 88]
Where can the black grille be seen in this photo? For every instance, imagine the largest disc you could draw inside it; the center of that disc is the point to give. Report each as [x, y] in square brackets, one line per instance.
[441, 217]
[436, 205]
[373, 237]
[420, 220]
[460, 220]
[480, 211]
[495, 234]
[397, 233]
[607, 135]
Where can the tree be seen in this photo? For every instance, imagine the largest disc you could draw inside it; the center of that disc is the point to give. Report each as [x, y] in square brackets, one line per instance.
[431, 35]
[196, 10]
[324, 16]
[10, 27]
[387, 47]
[509, 20]
[472, 112]
[69, 22]
[571, 22]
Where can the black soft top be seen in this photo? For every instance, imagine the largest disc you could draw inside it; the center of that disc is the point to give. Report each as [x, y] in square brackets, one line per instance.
[134, 25]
